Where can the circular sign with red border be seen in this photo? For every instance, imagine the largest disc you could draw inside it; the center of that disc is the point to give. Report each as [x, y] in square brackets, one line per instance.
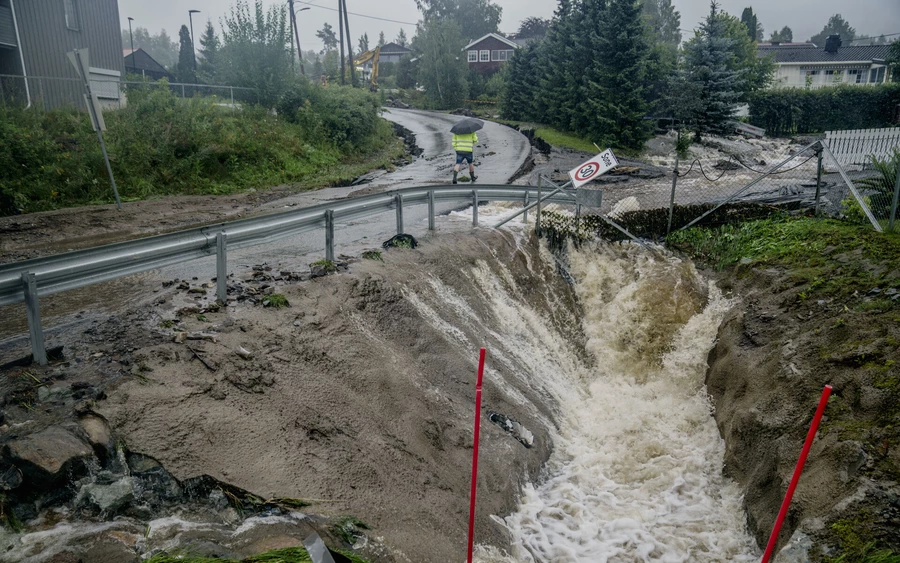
[588, 171]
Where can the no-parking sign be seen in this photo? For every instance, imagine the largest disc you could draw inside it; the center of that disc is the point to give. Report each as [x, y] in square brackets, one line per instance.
[594, 168]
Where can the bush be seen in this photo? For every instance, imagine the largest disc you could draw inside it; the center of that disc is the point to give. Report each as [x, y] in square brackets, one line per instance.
[789, 111]
[161, 144]
[346, 116]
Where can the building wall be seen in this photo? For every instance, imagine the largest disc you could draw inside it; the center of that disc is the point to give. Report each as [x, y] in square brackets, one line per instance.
[46, 39]
[488, 45]
[829, 74]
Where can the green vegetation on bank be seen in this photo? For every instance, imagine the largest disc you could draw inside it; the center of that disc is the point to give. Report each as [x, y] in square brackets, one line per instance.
[162, 145]
[821, 253]
[288, 555]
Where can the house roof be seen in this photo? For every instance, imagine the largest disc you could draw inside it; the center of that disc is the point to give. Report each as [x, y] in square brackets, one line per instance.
[141, 60]
[393, 48]
[495, 36]
[800, 53]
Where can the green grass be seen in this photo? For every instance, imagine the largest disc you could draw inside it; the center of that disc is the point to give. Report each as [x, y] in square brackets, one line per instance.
[561, 139]
[373, 255]
[161, 145]
[327, 264]
[276, 301]
[825, 256]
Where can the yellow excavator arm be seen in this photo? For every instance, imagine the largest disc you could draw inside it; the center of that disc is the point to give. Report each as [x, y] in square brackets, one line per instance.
[367, 57]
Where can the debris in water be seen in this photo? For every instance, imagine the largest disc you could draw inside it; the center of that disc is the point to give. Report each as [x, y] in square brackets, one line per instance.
[519, 432]
[243, 352]
[401, 241]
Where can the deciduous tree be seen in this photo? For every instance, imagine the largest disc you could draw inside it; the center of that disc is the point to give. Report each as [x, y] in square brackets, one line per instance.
[664, 20]
[475, 17]
[329, 39]
[836, 25]
[786, 35]
[533, 27]
[364, 43]
[442, 71]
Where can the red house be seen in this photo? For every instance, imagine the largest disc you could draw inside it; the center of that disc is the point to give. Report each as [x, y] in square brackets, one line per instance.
[489, 53]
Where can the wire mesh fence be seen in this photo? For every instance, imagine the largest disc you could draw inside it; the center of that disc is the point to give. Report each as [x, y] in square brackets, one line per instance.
[54, 92]
[790, 176]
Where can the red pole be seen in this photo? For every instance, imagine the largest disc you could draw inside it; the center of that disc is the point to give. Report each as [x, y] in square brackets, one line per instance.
[475, 453]
[817, 419]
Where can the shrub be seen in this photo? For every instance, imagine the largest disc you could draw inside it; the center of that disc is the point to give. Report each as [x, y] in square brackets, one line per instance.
[789, 111]
[346, 116]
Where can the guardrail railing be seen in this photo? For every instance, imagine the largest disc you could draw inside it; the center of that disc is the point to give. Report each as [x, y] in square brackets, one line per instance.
[28, 280]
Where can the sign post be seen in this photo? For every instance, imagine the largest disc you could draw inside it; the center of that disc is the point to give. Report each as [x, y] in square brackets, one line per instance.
[80, 59]
[593, 168]
[475, 453]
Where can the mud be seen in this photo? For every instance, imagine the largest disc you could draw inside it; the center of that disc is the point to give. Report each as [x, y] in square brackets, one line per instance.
[349, 395]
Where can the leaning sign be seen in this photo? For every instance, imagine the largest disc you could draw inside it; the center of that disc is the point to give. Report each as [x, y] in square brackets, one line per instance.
[594, 168]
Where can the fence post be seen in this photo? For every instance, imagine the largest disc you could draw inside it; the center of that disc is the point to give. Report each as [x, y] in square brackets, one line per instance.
[525, 217]
[182, 91]
[329, 235]
[818, 177]
[399, 199]
[474, 208]
[896, 201]
[232, 98]
[33, 309]
[672, 198]
[431, 210]
[537, 221]
[222, 268]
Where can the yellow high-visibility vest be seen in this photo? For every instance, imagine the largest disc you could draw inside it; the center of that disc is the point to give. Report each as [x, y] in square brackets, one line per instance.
[465, 143]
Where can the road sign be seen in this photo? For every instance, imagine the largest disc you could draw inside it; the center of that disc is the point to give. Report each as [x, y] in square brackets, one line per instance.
[594, 168]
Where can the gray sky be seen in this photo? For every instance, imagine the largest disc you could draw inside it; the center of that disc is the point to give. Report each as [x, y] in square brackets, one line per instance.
[805, 17]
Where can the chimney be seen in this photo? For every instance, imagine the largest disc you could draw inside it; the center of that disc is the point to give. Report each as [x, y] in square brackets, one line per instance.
[832, 44]
[776, 43]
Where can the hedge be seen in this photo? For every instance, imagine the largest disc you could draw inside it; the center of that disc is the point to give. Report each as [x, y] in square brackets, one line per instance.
[793, 111]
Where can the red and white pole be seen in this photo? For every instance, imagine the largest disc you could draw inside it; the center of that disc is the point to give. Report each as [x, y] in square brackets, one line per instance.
[817, 419]
[475, 453]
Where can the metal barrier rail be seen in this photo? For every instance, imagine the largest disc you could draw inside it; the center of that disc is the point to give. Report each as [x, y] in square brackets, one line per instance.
[29, 279]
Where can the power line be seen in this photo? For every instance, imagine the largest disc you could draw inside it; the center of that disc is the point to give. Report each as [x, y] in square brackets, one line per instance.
[355, 14]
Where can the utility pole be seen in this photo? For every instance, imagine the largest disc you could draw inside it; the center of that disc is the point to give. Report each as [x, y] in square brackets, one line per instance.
[132, 39]
[293, 27]
[341, 33]
[349, 47]
[297, 35]
[193, 46]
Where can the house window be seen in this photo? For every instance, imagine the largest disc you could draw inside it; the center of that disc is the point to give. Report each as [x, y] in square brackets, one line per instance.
[854, 76]
[71, 8]
[485, 56]
[473, 56]
[495, 56]
[509, 54]
[876, 75]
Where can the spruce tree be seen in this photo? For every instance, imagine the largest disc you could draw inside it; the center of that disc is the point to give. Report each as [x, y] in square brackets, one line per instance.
[706, 67]
[519, 90]
[186, 73]
[209, 50]
[381, 41]
[618, 78]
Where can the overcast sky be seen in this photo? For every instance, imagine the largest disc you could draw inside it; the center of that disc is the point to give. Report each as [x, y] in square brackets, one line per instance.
[805, 17]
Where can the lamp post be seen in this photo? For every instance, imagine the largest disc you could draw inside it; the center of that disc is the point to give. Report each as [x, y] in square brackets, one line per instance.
[193, 46]
[296, 35]
[132, 38]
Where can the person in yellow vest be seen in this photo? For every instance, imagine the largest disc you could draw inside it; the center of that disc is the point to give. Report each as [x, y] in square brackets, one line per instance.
[464, 145]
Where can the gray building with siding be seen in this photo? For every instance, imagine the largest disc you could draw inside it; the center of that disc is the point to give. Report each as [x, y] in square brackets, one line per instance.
[35, 36]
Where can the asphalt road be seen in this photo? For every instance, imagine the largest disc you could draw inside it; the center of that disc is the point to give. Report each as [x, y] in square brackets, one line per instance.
[500, 154]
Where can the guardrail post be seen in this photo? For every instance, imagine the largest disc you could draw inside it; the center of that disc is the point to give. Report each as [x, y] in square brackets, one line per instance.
[399, 200]
[38, 351]
[329, 235]
[222, 268]
[672, 198]
[474, 208]
[430, 210]
[527, 201]
[896, 201]
[537, 221]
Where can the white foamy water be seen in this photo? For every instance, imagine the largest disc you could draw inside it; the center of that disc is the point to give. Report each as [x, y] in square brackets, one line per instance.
[636, 473]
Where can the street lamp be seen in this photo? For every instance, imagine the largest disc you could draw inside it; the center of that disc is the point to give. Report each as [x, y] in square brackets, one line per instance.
[132, 40]
[296, 35]
[193, 46]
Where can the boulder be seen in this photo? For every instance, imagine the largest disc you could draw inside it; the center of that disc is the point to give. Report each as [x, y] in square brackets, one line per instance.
[10, 477]
[44, 456]
[97, 432]
[109, 498]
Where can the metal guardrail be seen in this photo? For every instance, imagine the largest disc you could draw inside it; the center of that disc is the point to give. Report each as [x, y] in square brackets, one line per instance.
[29, 279]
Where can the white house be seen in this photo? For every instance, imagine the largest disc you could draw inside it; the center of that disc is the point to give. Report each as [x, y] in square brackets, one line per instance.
[801, 65]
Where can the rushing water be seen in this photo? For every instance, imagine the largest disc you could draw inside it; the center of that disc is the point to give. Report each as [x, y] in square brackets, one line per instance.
[636, 473]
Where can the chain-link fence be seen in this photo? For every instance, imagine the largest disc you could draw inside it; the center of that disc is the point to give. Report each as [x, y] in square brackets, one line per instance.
[790, 175]
[52, 92]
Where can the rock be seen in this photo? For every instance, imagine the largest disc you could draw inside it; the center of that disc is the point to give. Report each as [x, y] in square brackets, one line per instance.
[796, 551]
[109, 498]
[65, 557]
[10, 477]
[180, 338]
[43, 456]
[244, 353]
[400, 241]
[318, 271]
[98, 433]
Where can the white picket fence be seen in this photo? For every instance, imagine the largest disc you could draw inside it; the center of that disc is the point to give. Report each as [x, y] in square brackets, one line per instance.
[856, 147]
